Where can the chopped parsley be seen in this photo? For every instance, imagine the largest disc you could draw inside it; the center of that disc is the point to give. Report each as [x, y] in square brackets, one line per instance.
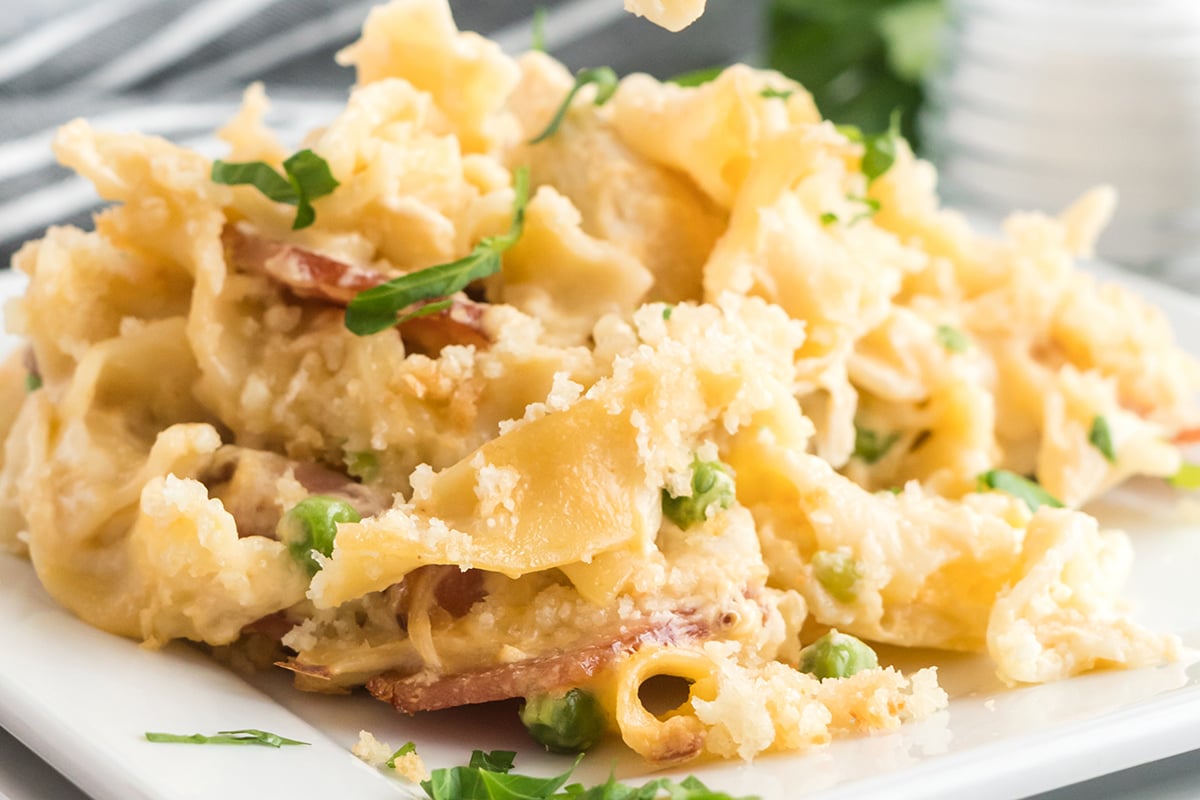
[247, 736]
[489, 776]
[383, 306]
[33, 381]
[1019, 487]
[405, 749]
[606, 85]
[871, 445]
[1101, 438]
[306, 177]
[871, 207]
[668, 309]
[952, 339]
[697, 77]
[879, 149]
[771, 93]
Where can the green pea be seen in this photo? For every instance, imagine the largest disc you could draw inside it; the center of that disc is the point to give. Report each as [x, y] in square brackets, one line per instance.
[362, 464]
[837, 655]
[564, 723]
[311, 525]
[712, 485]
[838, 573]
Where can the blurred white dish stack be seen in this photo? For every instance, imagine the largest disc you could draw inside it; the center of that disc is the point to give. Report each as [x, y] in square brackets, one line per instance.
[1035, 101]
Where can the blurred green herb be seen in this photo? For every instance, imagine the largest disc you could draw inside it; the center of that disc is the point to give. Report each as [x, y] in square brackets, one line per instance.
[879, 149]
[952, 339]
[1101, 438]
[1020, 487]
[696, 77]
[871, 445]
[860, 58]
[1188, 477]
[605, 80]
[538, 42]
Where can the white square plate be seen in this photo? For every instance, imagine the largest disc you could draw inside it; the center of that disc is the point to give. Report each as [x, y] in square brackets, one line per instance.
[82, 699]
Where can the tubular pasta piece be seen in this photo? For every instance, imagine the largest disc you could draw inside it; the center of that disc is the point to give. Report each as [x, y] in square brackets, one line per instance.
[680, 736]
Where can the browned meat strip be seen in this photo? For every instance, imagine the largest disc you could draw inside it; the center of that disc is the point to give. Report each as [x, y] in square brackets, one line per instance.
[429, 691]
[460, 324]
[246, 482]
[453, 590]
[273, 626]
[304, 272]
[311, 275]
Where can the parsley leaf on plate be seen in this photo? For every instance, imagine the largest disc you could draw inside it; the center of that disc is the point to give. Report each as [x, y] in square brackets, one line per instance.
[246, 736]
[488, 776]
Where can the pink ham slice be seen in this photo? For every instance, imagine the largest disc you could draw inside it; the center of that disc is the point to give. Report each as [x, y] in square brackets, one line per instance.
[304, 272]
[429, 691]
[311, 275]
[246, 482]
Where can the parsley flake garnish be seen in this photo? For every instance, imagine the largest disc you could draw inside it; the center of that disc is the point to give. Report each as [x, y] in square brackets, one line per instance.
[306, 177]
[879, 151]
[697, 77]
[952, 339]
[247, 736]
[606, 85]
[381, 307]
[1188, 477]
[1101, 438]
[871, 445]
[872, 207]
[33, 381]
[1019, 487]
[828, 218]
[771, 93]
[405, 749]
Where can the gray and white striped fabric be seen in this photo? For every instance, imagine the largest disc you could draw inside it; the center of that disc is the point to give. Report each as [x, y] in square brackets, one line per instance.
[176, 68]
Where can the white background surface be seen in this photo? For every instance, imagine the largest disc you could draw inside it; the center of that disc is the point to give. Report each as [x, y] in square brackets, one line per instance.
[82, 699]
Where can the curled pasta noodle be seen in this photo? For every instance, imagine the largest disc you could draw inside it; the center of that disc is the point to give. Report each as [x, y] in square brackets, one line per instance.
[677, 736]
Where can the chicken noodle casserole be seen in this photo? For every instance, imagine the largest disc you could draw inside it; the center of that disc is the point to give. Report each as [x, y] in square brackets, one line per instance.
[726, 396]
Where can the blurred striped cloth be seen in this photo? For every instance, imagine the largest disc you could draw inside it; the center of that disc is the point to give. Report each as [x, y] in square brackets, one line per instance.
[176, 68]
